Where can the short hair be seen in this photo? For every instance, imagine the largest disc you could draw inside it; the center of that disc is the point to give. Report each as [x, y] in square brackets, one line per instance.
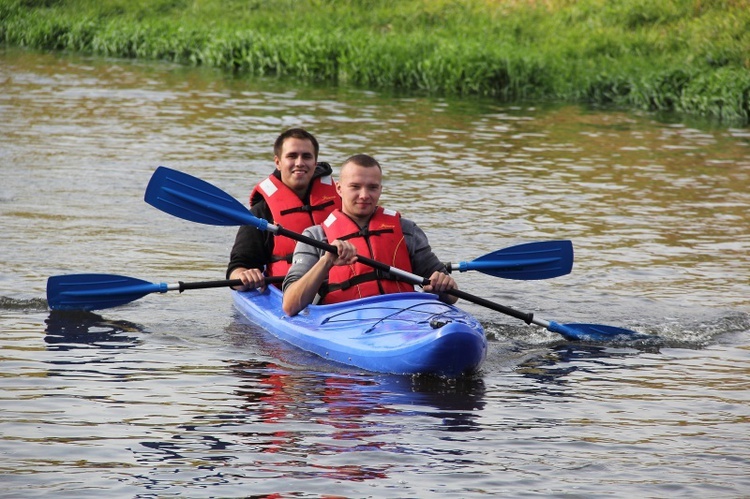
[363, 160]
[294, 133]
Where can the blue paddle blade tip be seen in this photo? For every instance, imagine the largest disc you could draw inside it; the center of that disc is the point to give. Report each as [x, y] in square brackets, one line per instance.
[96, 291]
[594, 332]
[529, 261]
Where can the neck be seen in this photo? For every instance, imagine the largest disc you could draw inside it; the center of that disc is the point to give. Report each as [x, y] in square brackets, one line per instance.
[361, 221]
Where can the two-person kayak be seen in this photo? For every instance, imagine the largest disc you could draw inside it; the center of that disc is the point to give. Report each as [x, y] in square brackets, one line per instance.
[402, 333]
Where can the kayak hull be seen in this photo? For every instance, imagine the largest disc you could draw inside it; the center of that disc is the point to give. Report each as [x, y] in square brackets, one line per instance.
[404, 333]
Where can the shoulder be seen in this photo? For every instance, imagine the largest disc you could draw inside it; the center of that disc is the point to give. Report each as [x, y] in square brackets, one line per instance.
[409, 226]
[258, 192]
[315, 232]
[260, 209]
[416, 239]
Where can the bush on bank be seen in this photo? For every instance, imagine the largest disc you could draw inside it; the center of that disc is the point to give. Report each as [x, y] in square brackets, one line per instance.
[690, 56]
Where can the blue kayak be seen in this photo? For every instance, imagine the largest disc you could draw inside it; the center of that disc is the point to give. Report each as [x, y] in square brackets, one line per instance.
[404, 333]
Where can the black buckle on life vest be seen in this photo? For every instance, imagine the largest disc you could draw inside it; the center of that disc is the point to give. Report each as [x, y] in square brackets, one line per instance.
[307, 208]
[366, 233]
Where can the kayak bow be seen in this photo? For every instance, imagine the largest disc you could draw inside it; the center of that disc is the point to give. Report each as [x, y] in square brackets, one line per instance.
[402, 333]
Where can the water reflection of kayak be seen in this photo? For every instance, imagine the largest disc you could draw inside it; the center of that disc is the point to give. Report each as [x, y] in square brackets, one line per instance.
[404, 333]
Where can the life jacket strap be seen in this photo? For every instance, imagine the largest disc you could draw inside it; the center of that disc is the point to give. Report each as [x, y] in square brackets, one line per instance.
[307, 208]
[366, 233]
[375, 275]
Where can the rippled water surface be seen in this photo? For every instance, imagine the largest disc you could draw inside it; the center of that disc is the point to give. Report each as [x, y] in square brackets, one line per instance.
[174, 395]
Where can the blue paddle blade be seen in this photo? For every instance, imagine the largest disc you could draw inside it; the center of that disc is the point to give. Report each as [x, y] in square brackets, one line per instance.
[529, 261]
[594, 332]
[196, 200]
[96, 291]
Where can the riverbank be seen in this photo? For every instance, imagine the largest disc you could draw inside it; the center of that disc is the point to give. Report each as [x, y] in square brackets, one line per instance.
[689, 56]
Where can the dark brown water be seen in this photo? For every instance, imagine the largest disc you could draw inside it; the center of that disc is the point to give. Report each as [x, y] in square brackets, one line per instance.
[172, 395]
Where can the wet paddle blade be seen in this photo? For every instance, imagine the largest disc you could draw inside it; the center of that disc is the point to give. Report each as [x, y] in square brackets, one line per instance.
[96, 291]
[594, 332]
[196, 200]
[529, 261]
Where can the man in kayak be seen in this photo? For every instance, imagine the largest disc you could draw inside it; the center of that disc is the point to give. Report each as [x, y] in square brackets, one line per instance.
[298, 194]
[361, 227]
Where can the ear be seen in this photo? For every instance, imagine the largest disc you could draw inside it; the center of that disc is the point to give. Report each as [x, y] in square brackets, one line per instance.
[277, 161]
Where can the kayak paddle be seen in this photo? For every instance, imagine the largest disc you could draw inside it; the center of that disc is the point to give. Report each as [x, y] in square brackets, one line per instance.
[98, 291]
[193, 199]
[528, 261]
[537, 260]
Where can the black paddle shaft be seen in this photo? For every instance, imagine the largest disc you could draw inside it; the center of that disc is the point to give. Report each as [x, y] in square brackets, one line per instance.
[528, 318]
[208, 284]
[220, 284]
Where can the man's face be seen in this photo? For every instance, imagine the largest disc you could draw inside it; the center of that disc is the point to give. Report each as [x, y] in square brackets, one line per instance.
[296, 164]
[359, 188]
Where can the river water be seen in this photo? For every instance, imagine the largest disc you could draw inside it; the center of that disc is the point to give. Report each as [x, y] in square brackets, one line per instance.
[174, 395]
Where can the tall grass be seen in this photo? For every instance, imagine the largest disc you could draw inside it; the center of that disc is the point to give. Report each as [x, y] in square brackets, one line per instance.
[691, 56]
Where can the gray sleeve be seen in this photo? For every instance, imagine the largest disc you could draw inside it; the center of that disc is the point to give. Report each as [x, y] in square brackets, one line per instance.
[305, 255]
[423, 261]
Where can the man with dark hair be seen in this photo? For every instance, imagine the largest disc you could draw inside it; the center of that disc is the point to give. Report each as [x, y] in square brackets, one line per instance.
[298, 194]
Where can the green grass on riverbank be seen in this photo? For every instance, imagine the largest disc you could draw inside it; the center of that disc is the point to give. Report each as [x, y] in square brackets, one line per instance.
[690, 56]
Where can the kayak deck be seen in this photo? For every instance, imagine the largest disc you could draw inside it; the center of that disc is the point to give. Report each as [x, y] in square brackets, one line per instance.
[404, 333]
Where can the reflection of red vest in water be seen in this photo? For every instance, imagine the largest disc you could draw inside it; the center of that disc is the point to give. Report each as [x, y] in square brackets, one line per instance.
[382, 240]
[289, 212]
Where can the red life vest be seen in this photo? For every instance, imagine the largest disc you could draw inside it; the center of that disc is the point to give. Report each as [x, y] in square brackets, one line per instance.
[382, 240]
[289, 212]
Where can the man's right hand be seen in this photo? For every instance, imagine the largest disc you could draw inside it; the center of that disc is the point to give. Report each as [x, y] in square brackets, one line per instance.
[347, 254]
